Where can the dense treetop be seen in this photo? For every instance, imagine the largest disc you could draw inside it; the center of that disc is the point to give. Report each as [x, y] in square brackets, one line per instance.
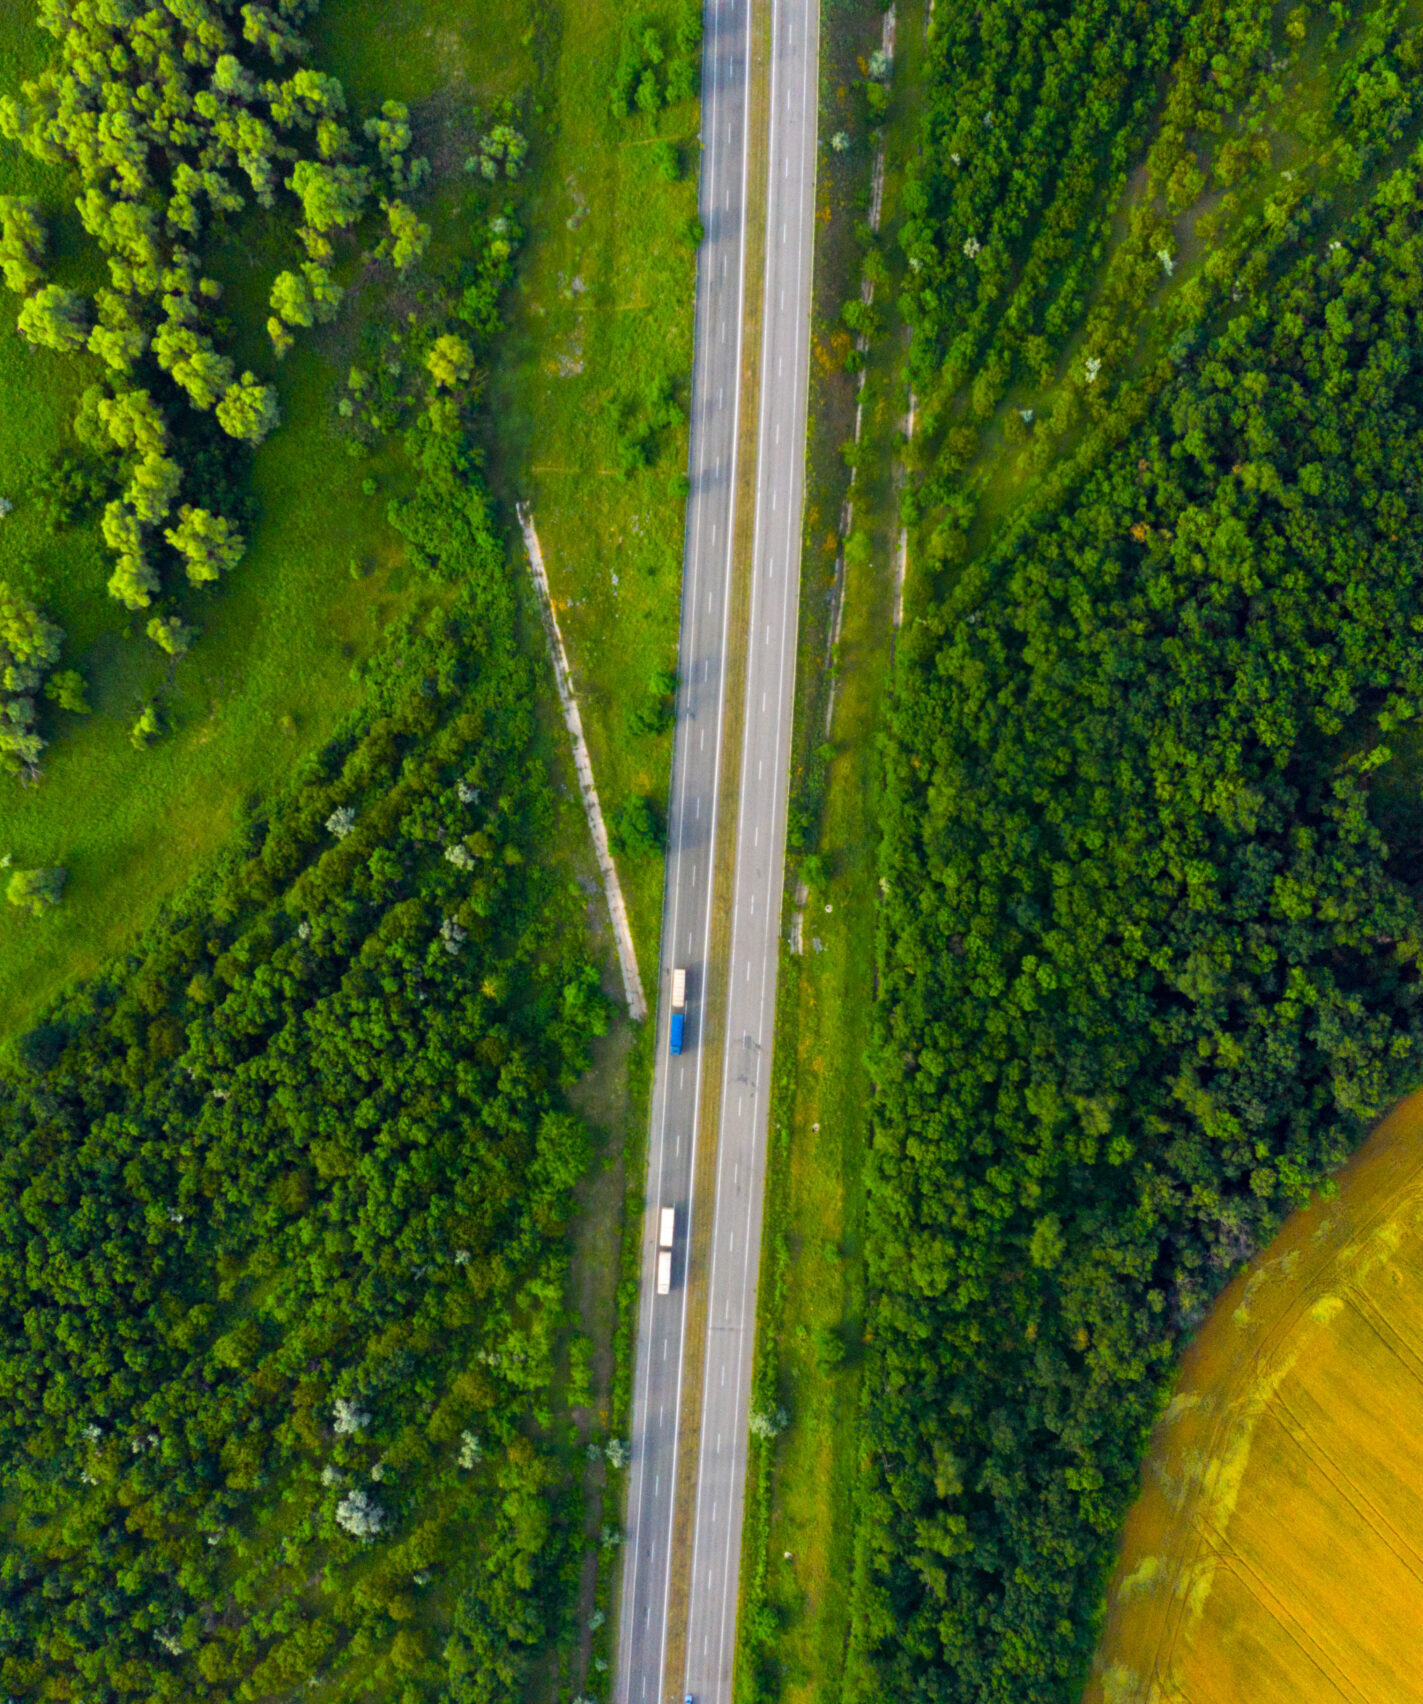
[1150, 933]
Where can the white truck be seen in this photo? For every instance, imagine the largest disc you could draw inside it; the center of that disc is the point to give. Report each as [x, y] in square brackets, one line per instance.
[666, 1234]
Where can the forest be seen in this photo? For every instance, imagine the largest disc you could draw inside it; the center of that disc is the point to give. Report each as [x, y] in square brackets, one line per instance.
[284, 1189]
[1150, 932]
[280, 1203]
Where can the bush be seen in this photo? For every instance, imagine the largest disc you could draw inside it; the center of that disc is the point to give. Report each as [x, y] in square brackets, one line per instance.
[636, 832]
[35, 891]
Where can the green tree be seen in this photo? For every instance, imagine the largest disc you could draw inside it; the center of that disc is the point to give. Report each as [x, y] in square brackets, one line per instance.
[22, 243]
[66, 689]
[249, 410]
[332, 196]
[54, 318]
[409, 237]
[169, 634]
[209, 544]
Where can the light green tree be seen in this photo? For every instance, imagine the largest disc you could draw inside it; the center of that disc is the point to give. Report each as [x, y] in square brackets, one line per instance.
[170, 634]
[134, 422]
[118, 339]
[146, 729]
[152, 488]
[409, 237]
[332, 196]
[450, 361]
[209, 544]
[249, 410]
[35, 891]
[22, 243]
[54, 318]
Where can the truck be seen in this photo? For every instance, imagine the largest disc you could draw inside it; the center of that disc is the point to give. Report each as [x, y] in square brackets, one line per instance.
[679, 1007]
[666, 1235]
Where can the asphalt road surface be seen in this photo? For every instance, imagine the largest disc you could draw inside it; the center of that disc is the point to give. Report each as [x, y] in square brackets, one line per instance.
[702, 772]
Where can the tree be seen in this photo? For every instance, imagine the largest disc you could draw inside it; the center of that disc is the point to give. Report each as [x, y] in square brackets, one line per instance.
[332, 196]
[134, 422]
[169, 634]
[54, 318]
[133, 581]
[195, 365]
[504, 148]
[450, 361]
[409, 237]
[118, 339]
[291, 299]
[66, 689]
[146, 729]
[29, 644]
[36, 891]
[152, 487]
[209, 544]
[29, 647]
[249, 411]
[22, 243]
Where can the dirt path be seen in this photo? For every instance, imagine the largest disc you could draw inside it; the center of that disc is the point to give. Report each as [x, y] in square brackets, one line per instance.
[617, 910]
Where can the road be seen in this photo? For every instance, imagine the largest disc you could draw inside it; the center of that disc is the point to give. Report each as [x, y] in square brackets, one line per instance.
[703, 770]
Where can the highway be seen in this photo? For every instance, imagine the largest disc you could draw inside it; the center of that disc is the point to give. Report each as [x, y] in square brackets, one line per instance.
[703, 771]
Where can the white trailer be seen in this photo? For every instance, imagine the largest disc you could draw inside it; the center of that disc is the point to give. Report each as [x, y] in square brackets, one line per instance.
[668, 1229]
[664, 1271]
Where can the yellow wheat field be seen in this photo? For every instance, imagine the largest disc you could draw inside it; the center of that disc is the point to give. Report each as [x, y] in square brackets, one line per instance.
[1275, 1555]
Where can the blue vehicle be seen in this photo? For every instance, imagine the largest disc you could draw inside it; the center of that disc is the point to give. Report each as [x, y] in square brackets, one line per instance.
[679, 1008]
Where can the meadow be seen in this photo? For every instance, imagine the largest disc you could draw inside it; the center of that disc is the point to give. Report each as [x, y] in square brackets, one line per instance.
[608, 269]
[1274, 1550]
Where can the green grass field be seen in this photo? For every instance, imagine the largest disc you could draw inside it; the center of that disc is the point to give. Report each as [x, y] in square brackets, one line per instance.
[603, 317]
[270, 676]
